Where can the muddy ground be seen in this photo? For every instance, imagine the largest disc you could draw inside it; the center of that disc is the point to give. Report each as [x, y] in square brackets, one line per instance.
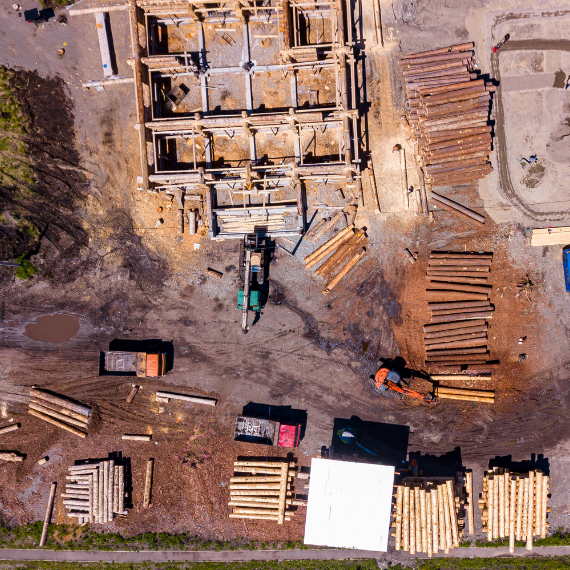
[131, 280]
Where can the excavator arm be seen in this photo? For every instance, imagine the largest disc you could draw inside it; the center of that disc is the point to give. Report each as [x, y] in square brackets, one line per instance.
[381, 381]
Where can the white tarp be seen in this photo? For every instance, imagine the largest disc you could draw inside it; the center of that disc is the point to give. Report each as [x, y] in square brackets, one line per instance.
[349, 505]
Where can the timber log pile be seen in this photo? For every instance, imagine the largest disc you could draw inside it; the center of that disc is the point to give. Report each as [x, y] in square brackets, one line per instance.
[429, 514]
[264, 490]
[458, 298]
[448, 112]
[60, 411]
[514, 505]
[342, 253]
[95, 492]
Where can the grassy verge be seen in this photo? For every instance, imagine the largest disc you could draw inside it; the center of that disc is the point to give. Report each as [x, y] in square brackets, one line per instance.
[271, 565]
[534, 563]
[73, 537]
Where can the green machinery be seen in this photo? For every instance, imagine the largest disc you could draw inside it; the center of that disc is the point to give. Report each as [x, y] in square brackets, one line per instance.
[252, 273]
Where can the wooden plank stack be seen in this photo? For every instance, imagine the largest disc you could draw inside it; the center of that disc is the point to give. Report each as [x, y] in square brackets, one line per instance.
[60, 411]
[458, 298]
[514, 505]
[448, 110]
[239, 223]
[95, 492]
[429, 514]
[341, 253]
[263, 490]
[550, 236]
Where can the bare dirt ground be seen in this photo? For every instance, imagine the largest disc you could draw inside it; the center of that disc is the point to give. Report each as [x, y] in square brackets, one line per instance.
[315, 353]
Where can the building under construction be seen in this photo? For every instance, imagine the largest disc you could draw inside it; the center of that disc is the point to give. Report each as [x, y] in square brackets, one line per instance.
[244, 108]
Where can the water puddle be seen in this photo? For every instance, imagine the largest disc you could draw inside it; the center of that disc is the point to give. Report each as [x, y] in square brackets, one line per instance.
[53, 328]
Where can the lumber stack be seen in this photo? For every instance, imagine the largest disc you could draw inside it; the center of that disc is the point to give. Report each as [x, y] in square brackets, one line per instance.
[515, 505]
[263, 490]
[428, 514]
[448, 110]
[60, 411]
[338, 256]
[239, 222]
[459, 300]
[550, 236]
[95, 492]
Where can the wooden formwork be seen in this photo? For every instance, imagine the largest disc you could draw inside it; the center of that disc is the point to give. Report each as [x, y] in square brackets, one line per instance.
[250, 184]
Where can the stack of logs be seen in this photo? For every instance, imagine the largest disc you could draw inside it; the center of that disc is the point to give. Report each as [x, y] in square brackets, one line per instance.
[60, 411]
[264, 490]
[95, 492]
[514, 505]
[458, 297]
[465, 394]
[429, 514]
[448, 112]
[344, 251]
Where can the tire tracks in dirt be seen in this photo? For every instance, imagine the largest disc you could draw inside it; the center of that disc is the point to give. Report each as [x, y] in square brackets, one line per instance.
[504, 174]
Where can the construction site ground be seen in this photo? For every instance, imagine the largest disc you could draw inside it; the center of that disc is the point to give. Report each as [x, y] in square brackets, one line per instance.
[135, 280]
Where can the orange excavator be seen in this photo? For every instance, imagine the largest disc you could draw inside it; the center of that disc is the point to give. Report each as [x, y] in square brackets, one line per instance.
[388, 378]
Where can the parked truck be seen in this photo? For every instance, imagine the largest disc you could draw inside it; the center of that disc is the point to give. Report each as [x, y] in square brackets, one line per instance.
[141, 364]
[267, 432]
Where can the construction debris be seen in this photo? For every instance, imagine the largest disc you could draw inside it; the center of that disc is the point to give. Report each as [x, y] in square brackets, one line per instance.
[60, 411]
[263, 490]
[514, 505]
[525, 286]
[429, 514]
[95, 491]
[343, 251]
[448, 110]
[458, 295]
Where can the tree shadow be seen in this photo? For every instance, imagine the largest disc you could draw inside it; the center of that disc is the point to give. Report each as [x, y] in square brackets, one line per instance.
[535, 462]
[447, 465]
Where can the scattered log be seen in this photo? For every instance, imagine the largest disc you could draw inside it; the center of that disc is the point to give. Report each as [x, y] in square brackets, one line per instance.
[134, 437]
[132, 393]
[214, 273]
[10, 428]
[186, 398]
[148, 483]
[47, 518]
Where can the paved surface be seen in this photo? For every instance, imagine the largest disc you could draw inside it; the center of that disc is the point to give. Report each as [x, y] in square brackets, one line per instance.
[249, 555]
[505, 175]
